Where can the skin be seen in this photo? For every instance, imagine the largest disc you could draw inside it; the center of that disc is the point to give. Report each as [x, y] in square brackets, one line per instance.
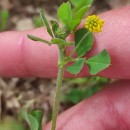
[108, 109]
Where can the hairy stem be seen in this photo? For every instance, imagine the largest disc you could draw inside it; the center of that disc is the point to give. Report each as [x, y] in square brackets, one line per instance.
[58, 89]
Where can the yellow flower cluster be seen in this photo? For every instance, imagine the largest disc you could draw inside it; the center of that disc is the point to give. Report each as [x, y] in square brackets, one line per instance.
[94, 23]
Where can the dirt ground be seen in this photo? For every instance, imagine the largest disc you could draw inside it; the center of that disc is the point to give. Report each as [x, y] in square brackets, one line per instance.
[35, 92]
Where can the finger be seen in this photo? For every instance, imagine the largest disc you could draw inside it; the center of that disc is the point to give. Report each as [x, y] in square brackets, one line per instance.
[23, 57]
[107, 110]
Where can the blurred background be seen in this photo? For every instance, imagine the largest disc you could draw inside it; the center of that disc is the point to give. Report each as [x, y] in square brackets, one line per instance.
[17, 93]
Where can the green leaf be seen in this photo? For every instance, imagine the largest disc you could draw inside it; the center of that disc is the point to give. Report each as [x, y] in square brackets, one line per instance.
[98, 62]
[55, 26]
[38, 115]
[75, 95]
[61, 41]
[77, 66]
[80, 3]
[45, 22]
[83, 42]
[79, 14]
[25, 115]
[78, 17]
[38, 39]
[33, 123]
[75, 23]
[77, 3]
[64, 14]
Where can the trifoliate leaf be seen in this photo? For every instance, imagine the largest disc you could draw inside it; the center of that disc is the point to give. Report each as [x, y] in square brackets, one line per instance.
[83, 42]
[32, 121]
[65, 14]
[25, 115]
[45, 22]
[77, 66]
[38, 115]
[98, 62]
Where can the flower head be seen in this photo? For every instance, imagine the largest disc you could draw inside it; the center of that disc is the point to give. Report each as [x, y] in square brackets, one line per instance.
[94, 23]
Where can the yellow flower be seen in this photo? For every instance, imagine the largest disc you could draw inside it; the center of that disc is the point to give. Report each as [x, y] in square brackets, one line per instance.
[94, 23]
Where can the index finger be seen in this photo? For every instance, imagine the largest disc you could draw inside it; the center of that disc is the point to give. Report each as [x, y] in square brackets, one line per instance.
[22, 57]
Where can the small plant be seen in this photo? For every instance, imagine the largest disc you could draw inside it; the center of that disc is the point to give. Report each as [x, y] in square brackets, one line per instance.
[4, 16]
[82, 88]
[37, 22]
[34, 119]
[83, 43]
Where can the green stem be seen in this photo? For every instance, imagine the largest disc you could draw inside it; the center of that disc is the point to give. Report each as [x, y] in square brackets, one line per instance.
[58, 89]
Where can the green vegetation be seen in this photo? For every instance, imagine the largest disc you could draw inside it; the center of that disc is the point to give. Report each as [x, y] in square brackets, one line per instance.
[83, 43]
[82, 88]
[4, 19]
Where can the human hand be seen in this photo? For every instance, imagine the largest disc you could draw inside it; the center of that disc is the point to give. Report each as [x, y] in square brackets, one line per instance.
[106, 110]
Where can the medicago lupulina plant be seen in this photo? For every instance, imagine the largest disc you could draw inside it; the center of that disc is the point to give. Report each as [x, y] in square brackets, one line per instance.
[69, 20]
